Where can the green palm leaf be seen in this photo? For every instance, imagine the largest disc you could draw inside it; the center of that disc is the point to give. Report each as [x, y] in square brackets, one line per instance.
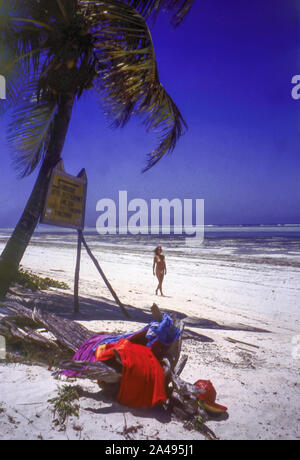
[128, 79]
[29, 131]
[151, 8]
[68, 46]
[20, 54]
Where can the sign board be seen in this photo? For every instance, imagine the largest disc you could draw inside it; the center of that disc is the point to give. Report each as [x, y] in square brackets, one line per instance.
[66, 198]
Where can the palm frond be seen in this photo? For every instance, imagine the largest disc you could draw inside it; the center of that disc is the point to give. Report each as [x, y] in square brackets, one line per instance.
[20, 53]
[128, 77]
[29, 131]
[149, 8]
[42, 10]
[152, 8]
[165, 117]
[62, 9]
[34, 22]
[66, 46]
[6, 59]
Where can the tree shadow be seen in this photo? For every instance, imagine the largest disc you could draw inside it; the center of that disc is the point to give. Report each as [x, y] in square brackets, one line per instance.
[188, 334]
[102, 309]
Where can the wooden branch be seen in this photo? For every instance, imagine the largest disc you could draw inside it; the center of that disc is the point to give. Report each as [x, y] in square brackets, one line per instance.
[37, 337]
[12, 331]
[177, 399]
[229, 339]
[174, 350]
[165, 363]
[16, 310]
[4, 330]
[93, 371]
[185, 399]
[186, 389]
[156, 313]
[173, 353]
[182, 395]
[180, 365]
[68, 334]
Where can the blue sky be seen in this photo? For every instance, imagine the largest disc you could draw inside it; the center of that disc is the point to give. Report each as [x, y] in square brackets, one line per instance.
[229, 68]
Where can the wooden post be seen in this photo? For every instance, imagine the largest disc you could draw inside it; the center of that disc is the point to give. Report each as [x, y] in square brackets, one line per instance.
[104, 277]
[77, 270]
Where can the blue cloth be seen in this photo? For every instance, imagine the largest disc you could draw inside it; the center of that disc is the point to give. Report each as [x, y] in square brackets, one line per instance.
[163, 330]
[116, 338]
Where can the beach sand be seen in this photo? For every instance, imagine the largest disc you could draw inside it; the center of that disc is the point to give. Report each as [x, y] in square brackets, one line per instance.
[249, 300]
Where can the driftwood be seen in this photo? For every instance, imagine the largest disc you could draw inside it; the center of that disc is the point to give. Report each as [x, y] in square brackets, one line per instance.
[229, 339]
[93, 371]
[24, 324]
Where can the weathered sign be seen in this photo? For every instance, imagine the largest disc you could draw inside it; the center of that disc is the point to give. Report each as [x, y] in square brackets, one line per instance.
[66, 198]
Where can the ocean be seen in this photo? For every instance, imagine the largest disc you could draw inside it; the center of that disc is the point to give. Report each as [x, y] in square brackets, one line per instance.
[235, 268]
[272, 244]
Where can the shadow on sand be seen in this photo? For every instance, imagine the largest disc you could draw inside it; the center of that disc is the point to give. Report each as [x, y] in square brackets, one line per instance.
[102, 309]
[163, 416]
[157, 413]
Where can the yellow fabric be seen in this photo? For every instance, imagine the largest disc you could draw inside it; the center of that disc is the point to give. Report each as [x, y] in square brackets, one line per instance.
[99, 351]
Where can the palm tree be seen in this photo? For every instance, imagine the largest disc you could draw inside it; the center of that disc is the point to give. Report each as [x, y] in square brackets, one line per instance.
[53, 51]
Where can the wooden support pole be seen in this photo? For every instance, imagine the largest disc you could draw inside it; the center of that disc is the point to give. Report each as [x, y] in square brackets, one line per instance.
[113, 293]
[77, 271]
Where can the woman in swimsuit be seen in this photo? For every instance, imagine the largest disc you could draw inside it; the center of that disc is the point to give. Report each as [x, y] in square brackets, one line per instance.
[161, 270]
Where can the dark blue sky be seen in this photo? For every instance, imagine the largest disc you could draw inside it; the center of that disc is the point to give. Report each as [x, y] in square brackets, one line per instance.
[229, 68]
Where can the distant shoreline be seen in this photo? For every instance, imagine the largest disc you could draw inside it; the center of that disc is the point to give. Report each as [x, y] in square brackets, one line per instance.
[251, 229]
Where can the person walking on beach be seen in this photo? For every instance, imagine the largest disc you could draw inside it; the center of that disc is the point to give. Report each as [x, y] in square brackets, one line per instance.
[159, 268]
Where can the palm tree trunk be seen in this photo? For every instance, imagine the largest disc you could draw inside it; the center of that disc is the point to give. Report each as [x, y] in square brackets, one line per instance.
[19, 240]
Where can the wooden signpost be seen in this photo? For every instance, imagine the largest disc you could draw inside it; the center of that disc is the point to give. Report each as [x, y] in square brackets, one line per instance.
[65, 207]
[66, 198]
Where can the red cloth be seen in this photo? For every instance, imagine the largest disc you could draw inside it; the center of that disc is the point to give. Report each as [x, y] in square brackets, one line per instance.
[143, 380]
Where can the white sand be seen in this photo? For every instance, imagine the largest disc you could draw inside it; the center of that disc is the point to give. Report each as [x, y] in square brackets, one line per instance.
[260, 386]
